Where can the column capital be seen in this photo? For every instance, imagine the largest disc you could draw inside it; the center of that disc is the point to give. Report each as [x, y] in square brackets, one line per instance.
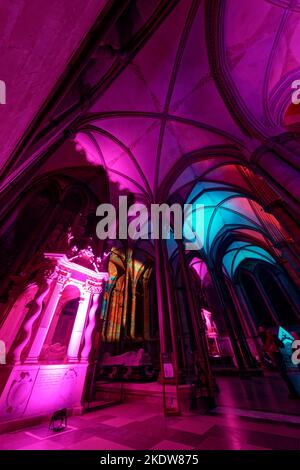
[93, 287]
[63, 277]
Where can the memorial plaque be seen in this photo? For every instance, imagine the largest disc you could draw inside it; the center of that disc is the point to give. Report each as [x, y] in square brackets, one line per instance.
[38, 390]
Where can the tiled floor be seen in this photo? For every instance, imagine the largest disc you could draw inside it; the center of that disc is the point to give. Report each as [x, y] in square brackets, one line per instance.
[237, 423]
[268, 393]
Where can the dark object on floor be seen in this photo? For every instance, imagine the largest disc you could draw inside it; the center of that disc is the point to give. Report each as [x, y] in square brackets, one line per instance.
[58, 420]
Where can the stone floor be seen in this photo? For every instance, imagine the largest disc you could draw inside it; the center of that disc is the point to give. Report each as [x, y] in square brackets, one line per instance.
[249, 416]
[265, 393]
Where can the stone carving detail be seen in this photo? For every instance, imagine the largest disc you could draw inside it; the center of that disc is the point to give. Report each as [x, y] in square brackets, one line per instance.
[53, 353]
[86, 257]
[19, 392]
[50, 273]
[33, 314]
[130, 358]
[63, 277]
[93, 287]
[90, 328]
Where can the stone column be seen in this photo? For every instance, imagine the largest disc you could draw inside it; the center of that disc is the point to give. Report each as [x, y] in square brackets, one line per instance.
[170, 300]
[280, 167]
[146, 308]
[118, 324]
[198, 323]
[33, 314]
[112, 312]
[128, 261]
[160, 304]
[242, 329]
[75, 340]
[229, 321]
[133, 309]
[16, 311]
[88, 335]
[289, 261]
[248, 319]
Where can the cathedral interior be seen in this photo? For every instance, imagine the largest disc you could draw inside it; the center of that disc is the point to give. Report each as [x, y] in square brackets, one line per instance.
[164, 102]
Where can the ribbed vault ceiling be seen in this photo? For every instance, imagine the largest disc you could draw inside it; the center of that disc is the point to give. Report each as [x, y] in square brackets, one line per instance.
[204, 76]
[37, 40]
[167, 104]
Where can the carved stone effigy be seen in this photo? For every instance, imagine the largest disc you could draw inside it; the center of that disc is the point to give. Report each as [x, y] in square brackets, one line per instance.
[132, 365]
[130, 358]
[53, 353]
[41, 377]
